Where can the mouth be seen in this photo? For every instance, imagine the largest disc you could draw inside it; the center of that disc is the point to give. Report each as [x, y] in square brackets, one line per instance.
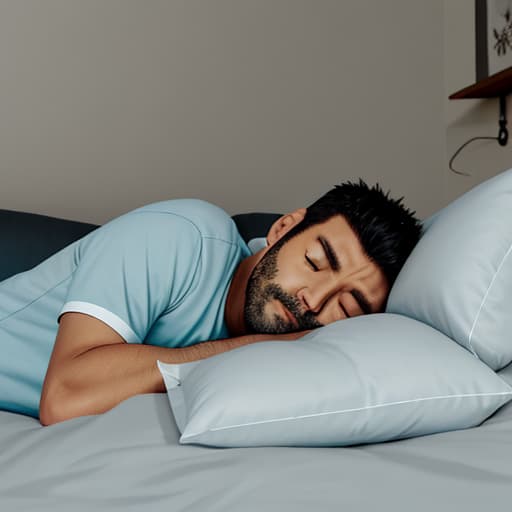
[289, 316]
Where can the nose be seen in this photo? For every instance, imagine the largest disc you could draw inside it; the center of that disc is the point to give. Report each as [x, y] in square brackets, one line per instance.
[313, 300]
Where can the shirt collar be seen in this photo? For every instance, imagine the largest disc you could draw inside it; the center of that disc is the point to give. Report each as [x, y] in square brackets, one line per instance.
[256, 244]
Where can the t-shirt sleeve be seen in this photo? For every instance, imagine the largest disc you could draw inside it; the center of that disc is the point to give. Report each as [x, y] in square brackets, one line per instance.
[134, 269]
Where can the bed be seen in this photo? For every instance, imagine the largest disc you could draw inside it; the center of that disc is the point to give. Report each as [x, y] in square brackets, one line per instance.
[130, 458]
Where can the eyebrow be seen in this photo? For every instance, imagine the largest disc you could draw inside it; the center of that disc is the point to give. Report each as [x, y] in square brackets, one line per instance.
[334, 263]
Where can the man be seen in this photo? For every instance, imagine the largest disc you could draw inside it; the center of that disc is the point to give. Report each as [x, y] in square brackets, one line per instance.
[174, 281]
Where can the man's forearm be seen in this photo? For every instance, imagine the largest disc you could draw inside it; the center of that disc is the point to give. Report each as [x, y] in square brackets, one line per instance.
[104, 376]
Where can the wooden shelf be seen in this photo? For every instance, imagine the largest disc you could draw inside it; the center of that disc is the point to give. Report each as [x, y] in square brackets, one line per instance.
[499, 84]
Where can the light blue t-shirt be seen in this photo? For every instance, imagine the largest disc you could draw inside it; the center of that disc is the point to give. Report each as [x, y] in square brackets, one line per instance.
[159, 275]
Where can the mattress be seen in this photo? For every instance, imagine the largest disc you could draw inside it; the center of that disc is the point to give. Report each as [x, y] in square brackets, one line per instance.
[130, 459]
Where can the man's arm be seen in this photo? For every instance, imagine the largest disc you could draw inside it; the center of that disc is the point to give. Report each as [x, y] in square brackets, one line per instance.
[92, 369]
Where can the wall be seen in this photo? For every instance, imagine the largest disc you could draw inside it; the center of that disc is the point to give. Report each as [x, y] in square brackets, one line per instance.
[256, 105]
[468, 118]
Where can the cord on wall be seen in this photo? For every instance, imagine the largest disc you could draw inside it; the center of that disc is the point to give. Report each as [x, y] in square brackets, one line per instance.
[462, 147]
[499, 86]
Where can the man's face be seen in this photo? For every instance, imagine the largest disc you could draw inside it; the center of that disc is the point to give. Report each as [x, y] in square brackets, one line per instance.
[317, 277]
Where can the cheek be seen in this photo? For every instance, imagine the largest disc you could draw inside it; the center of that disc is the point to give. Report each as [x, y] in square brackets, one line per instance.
[291, 271]
[288, 278]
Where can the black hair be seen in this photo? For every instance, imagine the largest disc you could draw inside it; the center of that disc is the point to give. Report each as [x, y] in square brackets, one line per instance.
[386, 229]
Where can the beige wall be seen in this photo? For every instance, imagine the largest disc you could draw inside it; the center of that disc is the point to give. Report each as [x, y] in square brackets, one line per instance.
[468, 118]
[251, 104]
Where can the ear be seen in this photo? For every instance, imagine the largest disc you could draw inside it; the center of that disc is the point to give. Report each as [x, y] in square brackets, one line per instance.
[282, 225]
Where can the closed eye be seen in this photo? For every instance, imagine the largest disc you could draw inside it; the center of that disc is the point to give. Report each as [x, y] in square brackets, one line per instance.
[344, 310]
[311, 264]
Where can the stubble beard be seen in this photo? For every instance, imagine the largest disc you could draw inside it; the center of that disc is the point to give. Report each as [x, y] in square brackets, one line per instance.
[261, 290]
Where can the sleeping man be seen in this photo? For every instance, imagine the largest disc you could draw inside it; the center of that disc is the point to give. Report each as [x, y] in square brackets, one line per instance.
[174, 281]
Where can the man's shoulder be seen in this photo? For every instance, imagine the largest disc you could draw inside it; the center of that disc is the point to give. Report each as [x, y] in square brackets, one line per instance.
[209, 220]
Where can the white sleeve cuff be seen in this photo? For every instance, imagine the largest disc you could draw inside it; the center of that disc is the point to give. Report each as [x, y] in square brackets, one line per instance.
[119, 325]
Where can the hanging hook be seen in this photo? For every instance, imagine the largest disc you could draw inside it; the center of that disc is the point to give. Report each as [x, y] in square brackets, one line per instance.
[503, 133]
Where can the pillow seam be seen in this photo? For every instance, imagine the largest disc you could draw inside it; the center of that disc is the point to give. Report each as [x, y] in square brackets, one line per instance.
[342, 411]
[477, 317]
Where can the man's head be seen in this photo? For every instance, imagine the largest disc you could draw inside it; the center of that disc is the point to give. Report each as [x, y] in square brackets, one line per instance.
[336, 259]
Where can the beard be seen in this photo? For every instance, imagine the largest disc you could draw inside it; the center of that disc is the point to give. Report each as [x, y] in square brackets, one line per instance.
[261, 290]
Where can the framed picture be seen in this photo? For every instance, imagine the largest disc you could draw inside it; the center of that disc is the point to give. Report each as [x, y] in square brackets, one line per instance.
[493, 23]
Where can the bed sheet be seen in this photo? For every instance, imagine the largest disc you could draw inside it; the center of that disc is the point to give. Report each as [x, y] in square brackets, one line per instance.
[130, 459]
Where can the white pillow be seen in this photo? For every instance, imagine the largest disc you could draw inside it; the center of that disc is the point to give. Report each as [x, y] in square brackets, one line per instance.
[458, 278]
[361, 380]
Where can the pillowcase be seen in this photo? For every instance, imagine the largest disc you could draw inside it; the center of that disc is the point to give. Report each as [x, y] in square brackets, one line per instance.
[364, 379]
[458, 278]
